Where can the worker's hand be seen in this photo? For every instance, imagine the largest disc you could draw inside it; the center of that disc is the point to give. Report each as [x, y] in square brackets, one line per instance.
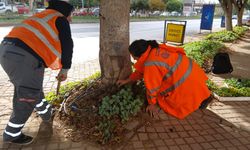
[122, 82]
[153, 110]
[62, 75]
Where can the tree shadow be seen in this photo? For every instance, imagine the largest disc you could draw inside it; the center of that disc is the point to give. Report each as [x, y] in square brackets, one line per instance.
[202, 126]
[241, 66]
[239, 111]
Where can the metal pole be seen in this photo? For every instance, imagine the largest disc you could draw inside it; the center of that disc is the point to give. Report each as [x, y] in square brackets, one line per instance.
[82, 3]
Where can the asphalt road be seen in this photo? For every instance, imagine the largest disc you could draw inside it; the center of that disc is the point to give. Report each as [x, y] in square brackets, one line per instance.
[86, 36]
[140, 30]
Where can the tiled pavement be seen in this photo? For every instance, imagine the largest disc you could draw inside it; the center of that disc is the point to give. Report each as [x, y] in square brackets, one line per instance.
[224, 125]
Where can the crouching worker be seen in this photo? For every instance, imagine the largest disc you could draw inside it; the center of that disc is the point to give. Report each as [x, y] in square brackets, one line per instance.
[42, 40]
[173, 81]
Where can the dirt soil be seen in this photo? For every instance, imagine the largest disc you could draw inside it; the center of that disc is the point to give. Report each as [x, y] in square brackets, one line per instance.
[81, 124]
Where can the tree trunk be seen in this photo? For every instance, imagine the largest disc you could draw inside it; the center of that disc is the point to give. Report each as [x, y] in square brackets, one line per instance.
[227, 6]
[228, 19]
[240, 6]
[114, 40]
[239, 16]
[31, 6]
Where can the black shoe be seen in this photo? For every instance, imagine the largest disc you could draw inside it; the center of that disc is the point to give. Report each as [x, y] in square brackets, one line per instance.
[206, 102]
[50, 120]
[23, 140]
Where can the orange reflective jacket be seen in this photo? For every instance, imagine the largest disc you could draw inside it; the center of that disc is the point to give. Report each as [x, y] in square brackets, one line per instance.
[172, 80]
[39, 32]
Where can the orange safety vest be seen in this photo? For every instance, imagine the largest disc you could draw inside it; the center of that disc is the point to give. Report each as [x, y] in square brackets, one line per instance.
[172, 80]
[39, 32]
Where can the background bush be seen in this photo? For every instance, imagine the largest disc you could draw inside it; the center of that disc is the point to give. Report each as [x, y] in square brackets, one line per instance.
[227, 36]
[202, 51]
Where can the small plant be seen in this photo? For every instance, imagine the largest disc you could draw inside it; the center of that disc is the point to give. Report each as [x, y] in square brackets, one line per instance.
[122, 104]
[106, 128]
[238, 83]
[240, 30]
[236, 88]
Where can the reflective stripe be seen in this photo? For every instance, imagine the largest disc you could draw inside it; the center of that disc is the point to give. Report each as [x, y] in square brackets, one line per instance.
[184, 77]
[45, 110]
[157, 63]
[154, 89]
[13, 134]
[46, 26]
[48, 17]
[13, 125]
[41, 103]
[41, 37]
[179, 59]
[150, 97]
[43, 22]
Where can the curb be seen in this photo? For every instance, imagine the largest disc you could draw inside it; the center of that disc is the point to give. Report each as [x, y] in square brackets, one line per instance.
[232, 99]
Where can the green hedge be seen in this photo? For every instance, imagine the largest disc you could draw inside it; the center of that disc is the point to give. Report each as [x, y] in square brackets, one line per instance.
[227, 36]
[235, 88]
[202, 51]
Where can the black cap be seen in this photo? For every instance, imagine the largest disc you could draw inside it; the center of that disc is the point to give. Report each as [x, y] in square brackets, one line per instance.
[63, 7]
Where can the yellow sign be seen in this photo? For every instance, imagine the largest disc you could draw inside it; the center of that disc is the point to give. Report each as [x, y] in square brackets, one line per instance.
[46, 4]
[175, 32]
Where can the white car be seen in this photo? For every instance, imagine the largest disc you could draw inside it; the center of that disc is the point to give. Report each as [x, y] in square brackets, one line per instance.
[7, 9]
[37, 10]
[246, 20]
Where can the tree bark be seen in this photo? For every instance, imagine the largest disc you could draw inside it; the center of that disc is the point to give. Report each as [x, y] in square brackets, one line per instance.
[240, 6]
[31, 6]
[239, 16]
[227, 6]
[114, 40]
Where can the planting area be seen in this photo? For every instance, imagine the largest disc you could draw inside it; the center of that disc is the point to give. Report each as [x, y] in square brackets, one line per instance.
[108, 115]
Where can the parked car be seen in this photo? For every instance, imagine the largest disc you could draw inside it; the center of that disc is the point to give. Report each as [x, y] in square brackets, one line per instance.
[82, 12]
[246, 20]
[22, 8]
[234, 17]
[96, 11]
[165, 13]
[155, 13]
[7, 9]
[175, 13]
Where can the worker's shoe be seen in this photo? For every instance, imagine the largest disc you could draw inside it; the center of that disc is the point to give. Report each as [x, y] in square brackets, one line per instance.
[22, 140]
[50, 120]
[206, 102]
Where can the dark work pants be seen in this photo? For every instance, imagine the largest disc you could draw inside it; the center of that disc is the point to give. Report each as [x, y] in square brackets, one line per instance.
[26, 74]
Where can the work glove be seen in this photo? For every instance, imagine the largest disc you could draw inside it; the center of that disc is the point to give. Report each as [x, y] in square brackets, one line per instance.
[62, 75]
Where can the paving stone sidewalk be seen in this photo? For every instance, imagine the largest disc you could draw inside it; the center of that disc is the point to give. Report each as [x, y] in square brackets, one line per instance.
[224, 125]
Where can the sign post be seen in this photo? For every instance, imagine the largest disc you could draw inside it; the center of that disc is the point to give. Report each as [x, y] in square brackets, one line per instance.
[174, 31]
[207, 17]
[222, 24]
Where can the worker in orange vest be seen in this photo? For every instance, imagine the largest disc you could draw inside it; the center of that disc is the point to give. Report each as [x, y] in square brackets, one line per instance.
[173, 81]
[42, 40]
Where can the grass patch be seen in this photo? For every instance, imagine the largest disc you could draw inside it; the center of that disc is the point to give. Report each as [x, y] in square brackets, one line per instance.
[234, 88]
